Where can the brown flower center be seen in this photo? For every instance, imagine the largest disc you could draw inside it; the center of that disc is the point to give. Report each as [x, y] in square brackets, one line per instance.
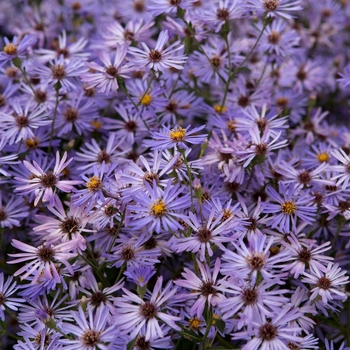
[271, 5]
[204, 235]
[103, 156]
[249, 296]
[49, 179]
[155, 56]
[22, 121]
[71, 114]
[142, 344]
[324, 283]
[267, 332]
[58, 71]
[256, 261]
[97, 298]
[222, 14]
[45, 254]
[127, 253]
[90, 338]
[274, 37]
[148, 310]
[304, 255]
[112, 71]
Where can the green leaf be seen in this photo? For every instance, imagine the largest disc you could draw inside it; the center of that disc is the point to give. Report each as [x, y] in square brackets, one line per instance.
[220, 325]
[190, 335]
[17, 62]
[180, 13]
[131, 344]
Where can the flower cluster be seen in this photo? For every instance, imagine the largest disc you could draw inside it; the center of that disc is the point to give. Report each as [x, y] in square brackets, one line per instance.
[174, 174]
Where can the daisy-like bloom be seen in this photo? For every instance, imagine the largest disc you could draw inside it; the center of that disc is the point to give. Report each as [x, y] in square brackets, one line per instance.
[157, 209]
[306, 253]
[6, 290]
[176, 137]
[343, 170]
[253, 259]
[9, 159]
[272, 333]
[204, 236]
[67, 226]
[137, 177]
[104, 77]
[44, 184]
[327, 284]
[18, 124]
[344, 77]
[61, 71]
[96, 187]
[133, 313]
[76, 115]
[140, 274]
[221, 11]
[17, 49]
[135, 30]
[274, 8]
[41, 260]
[259, 146]
[152, 343]
[94, 155]
[203, 289]
[330, 346]
[250, 303]
[278, 40]
[293, 203]
[92, 332]
[266, 122]
[12, 210]
[156, 7]
[159, 58]
[74, 50]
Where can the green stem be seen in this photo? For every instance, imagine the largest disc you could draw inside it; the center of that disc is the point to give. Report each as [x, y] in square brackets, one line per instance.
[28, 82]
[121, 270]
[117, 233]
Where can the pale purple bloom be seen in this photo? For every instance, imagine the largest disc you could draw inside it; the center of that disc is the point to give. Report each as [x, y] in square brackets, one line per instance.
[44, 184]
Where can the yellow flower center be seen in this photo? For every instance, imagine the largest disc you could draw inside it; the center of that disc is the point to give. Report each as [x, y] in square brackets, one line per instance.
[195, 323]
[227, 214]
[219, 109]
[231, 125]
[96, 124]
[146, 100]
[32, 143]
[94, 184]
[178, 134]
[10, 49]
[288, 207]
[323, 157]
[158, 208]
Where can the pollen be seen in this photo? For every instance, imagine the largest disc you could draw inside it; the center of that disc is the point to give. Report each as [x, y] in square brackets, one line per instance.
[94, 184]
[231, 125]
[146, 100]
[195, 323]
[288, 207]
[178, 134]
[32, 143]
[10, 49]
[323, 157]
[96, 124]
[220, 109]
[158, 208]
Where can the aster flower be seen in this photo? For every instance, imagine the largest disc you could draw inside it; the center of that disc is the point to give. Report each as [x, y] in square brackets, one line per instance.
[203, 289]
[104, 78]
[62, 72]
[204, 236]
[293, 203]
[140, 275]
[12, 210]
[43, 183]
[7, 288]
[19, 124]
[17, 48]
[158, 210]
[253, 259]
[90, 333]
[135, 313]
[158, 58]
[42, 259]
[327, 284]
[96, 187]
[176, 137]
[274, 333]
[156, 7]
[274, 8]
